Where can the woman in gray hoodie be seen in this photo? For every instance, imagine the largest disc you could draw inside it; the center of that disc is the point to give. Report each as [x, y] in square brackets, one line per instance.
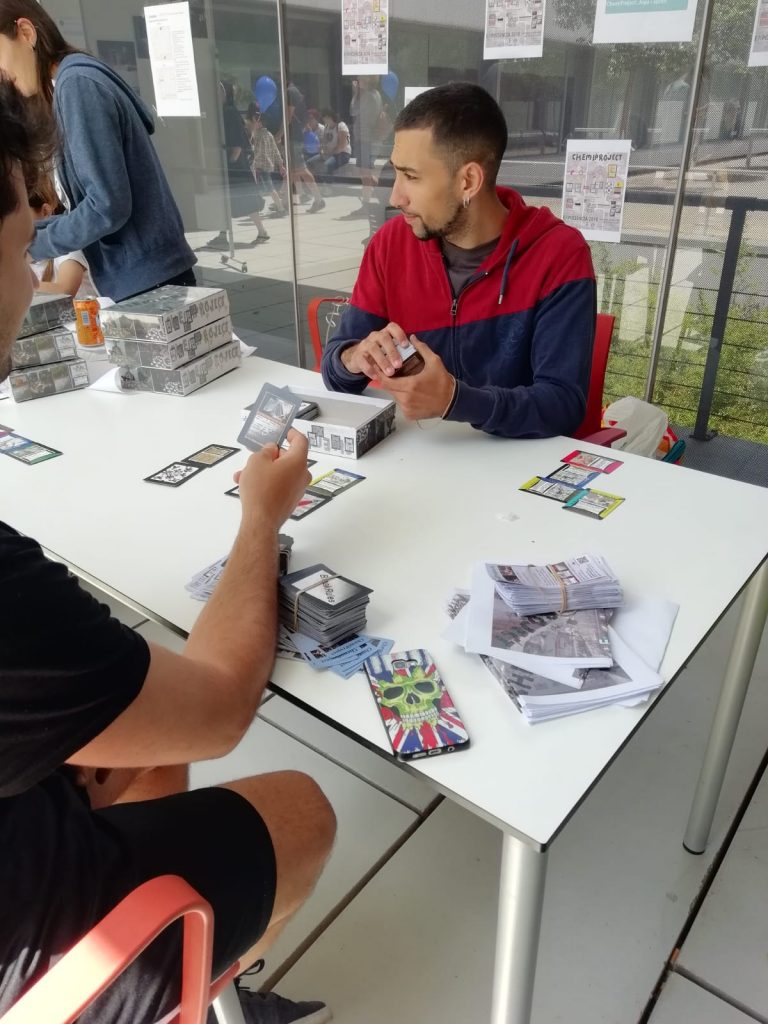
[120, 209]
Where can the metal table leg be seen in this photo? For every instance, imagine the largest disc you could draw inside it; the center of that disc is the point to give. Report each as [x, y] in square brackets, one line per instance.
[732, 695]
[521, 896]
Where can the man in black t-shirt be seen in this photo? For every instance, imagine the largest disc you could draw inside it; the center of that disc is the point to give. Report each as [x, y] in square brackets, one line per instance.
[79, 689]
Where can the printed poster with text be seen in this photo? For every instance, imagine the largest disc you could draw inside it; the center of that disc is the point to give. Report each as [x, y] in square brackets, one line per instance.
[644, 21]
[364, 37]
[172, 59]
[513, 28]
[594, 187]
[758, 53]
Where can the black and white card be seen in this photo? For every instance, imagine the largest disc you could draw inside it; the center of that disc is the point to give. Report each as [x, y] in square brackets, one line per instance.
[270, 418]
[174, 475]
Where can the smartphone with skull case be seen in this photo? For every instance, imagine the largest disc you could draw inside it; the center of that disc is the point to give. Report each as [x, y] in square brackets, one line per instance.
[417, 711]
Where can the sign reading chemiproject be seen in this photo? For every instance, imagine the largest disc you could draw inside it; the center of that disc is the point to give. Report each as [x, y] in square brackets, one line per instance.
[594, 187]
[644, 21]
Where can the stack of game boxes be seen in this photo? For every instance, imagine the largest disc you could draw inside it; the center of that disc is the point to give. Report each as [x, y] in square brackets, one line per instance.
[44, 357]
[172, 340]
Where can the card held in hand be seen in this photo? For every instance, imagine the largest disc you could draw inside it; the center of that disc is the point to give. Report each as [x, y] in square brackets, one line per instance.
[270, 418]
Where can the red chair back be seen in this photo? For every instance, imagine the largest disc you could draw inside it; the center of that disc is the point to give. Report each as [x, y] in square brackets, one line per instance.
[593, 417]
[313, 320]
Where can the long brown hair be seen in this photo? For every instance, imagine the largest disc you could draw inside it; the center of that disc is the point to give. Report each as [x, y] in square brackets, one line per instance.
[51, 47]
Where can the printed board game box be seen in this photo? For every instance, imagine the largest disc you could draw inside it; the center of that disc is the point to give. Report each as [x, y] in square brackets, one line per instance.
[37, 349]
[184, 379]
[47, 312]
[165, 314]
[169, 355]
[51, 379]
[346, 426]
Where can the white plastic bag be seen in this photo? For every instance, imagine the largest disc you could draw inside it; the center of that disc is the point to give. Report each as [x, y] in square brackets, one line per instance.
[644, 423]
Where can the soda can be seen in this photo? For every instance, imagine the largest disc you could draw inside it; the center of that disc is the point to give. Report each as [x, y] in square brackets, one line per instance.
[89, 332]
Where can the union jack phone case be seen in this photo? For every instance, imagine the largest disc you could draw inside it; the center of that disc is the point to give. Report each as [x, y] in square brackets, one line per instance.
[415, 707]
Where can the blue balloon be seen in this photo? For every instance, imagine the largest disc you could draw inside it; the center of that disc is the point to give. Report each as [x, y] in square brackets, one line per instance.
[390, 83]
[265, 92]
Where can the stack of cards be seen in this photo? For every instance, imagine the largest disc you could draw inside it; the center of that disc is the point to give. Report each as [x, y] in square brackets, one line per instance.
[344, 658]
[568, 484]
[270, 418]
[203, 583]
[22, 449]
[179, 472]
[323, 488]
[322, 604]
[575, 584]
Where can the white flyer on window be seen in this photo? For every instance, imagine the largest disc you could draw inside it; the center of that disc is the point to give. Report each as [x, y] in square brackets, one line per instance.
[364, 37]
[758, 54]
[172, 59]
[594, 187]
[644, 21]
[513, 28]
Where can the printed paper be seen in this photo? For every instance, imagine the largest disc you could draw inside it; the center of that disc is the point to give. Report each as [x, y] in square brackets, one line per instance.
[594, 187]
[513, 28]
[172, 59]
[758, 54]
[364, 37]
[644, 21]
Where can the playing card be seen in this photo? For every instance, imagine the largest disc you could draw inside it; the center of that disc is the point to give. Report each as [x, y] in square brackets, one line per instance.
[597, 504]
[549, 488]
[270, 418]
[234, 491]
[211, 455]
[174, 475]
[11, 441]
[598, 463]
[308, 503]
[322, 591]
[32, 453]
[574, 476]
[203, 583]
[333, 482]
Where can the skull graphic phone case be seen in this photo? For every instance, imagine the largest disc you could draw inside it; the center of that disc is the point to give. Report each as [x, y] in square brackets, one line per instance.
[415, 707]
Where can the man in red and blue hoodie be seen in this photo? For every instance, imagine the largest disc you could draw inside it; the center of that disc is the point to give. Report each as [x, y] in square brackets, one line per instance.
[497, 297]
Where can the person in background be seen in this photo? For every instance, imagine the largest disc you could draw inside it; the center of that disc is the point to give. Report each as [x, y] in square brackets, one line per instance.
[78, 689]
[244, 199]
[497, 297]
[337, 148]
[119, 208]
[63, 275]
[266, 158]
[312, 133]
[365, 110]
[296, 116]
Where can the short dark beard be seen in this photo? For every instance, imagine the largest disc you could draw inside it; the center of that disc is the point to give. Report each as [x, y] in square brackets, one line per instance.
[454, 222]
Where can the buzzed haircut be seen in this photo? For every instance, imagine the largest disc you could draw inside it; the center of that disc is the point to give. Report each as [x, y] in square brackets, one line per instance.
[27, 139]
[467, 124]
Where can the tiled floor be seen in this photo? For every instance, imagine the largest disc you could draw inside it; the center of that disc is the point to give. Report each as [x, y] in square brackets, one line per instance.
[401, 925]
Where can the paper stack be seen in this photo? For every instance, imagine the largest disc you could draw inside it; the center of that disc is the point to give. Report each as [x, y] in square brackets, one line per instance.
[322, 604]
[576, 583]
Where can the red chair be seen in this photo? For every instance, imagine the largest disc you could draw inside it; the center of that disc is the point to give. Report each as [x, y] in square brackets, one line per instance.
[591, 428]
[93, 963]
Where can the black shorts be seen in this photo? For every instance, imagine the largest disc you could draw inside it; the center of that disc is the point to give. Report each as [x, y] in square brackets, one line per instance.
[213, 838]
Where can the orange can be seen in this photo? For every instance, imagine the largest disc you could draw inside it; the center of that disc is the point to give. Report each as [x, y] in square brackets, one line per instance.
[88, 322]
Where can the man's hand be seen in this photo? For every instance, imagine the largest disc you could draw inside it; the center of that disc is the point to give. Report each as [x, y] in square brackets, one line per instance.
[378, 355]
[273, 481]
[427, 394]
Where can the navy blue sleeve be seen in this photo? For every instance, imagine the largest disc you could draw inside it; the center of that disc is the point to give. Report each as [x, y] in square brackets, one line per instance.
[355, 325]
[561, 361]
[89, 120]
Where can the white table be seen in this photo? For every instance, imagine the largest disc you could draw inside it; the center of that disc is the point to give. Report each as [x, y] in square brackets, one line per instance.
[435, 500]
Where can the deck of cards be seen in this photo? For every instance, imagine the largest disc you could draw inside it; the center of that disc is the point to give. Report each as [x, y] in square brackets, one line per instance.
[322, 604]
[203, 583]
[345, 658]
[270, 418]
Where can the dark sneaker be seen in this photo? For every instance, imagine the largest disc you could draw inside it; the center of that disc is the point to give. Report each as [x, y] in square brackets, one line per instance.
[270, 1008]
[259, 239]
[220, 241]
[319, 204]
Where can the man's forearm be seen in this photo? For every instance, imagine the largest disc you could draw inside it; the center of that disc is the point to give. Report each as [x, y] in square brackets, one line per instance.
[237, 629]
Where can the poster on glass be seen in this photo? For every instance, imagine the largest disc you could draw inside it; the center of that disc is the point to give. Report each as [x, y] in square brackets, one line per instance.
[172, 59]
[758, 53]
[513, 28]
[364, 37]
[594, 187]
[644, 21]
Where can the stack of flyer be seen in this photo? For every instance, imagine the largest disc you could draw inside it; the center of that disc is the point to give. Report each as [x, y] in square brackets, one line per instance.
[576, 583]
[557, 663]
[172, 340]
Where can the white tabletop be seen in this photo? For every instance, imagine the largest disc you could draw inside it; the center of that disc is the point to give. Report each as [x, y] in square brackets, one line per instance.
[435, 500]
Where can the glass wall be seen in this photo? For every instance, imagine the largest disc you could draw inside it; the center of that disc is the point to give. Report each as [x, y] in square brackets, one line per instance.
[711, 365]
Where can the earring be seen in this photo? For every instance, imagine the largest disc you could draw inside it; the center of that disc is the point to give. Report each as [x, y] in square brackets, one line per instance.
[466, 202]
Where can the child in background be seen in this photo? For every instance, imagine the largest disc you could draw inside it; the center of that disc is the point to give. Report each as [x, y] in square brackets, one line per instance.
[266, 157]
[63, 275]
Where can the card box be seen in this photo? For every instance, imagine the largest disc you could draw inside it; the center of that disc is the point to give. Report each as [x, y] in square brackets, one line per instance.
[38, 349]
[347, 426]
[45, 313]
[168, 355]
[184, 379]
[164, 314]
[51, 379]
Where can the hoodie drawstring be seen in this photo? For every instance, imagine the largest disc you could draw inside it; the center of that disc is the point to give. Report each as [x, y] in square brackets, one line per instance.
[505, 275]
